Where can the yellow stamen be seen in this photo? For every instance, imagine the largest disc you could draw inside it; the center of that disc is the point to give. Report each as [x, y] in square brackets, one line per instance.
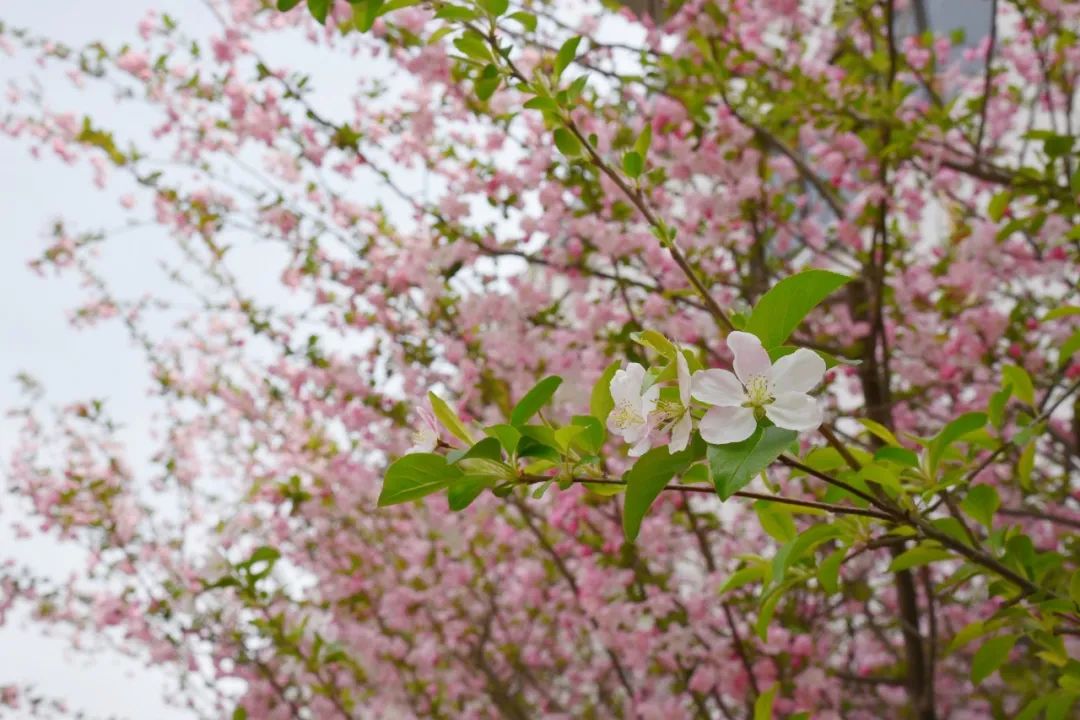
[624, 415]
[759, 391]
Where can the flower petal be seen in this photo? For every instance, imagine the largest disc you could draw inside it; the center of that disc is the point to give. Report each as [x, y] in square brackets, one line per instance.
[683, 370]
[717, 387]
[649, 399]
[641, 447]
[612, 425]
[425, 440]
[798, 372]
[750, 357]
[626, 384]
[632, 433]
[680, 433]
[727, 425]
[795, 411]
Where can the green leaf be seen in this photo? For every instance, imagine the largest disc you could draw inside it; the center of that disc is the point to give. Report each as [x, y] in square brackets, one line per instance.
[526, 19]
[456, 13]
[319, 9]
[488, 82]
[1031, 710]
[449, 419]
[464, 491]
[883, 476]
[566, 435]
[647, 478]
[1060, 312]
[507, 435]
[533, 400]
[414, 476]
[1059, 704]
[633, 164]
[1074, 587]
[488, 448]
[995, 409]
[734, 465]
[531, 447]
[474, 47]
[592, 439]
[1025, 465]
[263, 554]
[495, 7]
[486, 468]
[439, 34]
[999, 204]
[240, 713]
[542, 103]
[576, 88]
[953, 431]
[951, 527]
[974, 629]
[1058, 145]
[918, 555]
[767, 608]
[1069, 348]
[782, 308]
[898, 455]
[831, 361]
[697, 475]
[366, 13]
[1018, 377]
[540, 433]
[981, 503]
[829, 570]
[880, 431]
[605, 489]
[600, 403]
[655, 341]
[566, 55]
[763, 704]
[103, 139]
[1020, 552]
[990, 656]
[745, 576]
[644, 141]
[392, 5]
[567, 143]
[776, 521]
[824, 459]
[287, 5]
[799, 546]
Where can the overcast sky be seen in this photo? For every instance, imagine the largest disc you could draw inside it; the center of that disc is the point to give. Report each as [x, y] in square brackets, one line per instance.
[35, 336]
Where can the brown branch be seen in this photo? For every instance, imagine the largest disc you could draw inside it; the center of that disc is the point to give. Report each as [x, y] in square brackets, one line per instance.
[988, 78]
[813, 504]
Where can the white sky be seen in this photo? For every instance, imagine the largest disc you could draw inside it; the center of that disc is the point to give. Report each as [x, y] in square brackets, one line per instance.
[35, 336]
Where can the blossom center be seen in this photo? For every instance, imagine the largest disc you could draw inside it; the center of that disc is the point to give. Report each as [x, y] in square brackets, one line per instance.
[624, 416]
[670, 408]
[759, 391]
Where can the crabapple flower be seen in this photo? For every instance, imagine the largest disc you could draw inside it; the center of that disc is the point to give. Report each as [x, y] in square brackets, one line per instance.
[683, 423]
[634, 406]
[758, 388]
[426, 436]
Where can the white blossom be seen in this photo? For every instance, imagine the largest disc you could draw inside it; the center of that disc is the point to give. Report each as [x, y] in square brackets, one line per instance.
[683, 423]
[631, 418]
[778, 391]
[425, 437]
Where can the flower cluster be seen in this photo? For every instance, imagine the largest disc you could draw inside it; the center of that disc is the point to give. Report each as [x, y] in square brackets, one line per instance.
[280, 588]
[758, 390]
